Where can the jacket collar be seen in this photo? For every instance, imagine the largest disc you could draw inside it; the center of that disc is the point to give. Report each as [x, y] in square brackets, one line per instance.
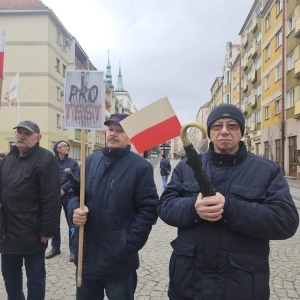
[15, 150]
[227, 159]
[116, 153]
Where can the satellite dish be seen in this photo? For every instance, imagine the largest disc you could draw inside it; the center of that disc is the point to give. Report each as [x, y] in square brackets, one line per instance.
[67, 43]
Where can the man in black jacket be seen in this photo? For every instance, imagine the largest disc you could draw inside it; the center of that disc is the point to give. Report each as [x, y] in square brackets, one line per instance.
[120, 198]
[61, 150]
[222, 248]
[165, 170]
[30, 193]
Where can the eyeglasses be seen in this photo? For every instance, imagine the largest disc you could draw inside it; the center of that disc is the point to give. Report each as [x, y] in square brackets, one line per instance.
[229, 127]
[65, 146]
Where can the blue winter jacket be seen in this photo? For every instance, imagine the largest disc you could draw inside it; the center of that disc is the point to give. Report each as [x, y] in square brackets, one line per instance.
[227, 259]
[64, 163]
[165, 167]
[121, 196]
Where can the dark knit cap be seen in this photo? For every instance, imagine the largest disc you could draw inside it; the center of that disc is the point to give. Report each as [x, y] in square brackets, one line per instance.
[225, 110]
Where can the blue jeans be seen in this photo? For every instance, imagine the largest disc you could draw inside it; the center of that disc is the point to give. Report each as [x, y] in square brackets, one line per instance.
[116, 288]
[11, 265]
[56, 241]
[164, 181]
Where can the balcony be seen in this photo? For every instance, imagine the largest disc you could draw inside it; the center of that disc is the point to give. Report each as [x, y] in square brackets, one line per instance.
[245, 87]
[297, 68]
[253, 127]
[254, 51]
[245, 67]
[245, 110]
[245, 41]
[297, 28]
[253, 76]
[253, 102]
[107, 101]
[254, 25]
[297, 110]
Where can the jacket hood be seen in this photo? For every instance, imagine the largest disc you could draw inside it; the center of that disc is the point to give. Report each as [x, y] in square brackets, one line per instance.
[55, 147]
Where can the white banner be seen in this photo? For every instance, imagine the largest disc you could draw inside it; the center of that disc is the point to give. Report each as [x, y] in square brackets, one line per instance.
[83, 99]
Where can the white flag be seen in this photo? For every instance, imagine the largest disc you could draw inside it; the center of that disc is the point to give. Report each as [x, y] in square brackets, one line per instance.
[11, 95]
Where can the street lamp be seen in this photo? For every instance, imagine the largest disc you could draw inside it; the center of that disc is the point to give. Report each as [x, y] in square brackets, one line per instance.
[164, 147]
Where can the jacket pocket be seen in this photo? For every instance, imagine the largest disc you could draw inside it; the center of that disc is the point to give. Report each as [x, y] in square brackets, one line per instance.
[250, 194]
[248, 277]
[182, 269]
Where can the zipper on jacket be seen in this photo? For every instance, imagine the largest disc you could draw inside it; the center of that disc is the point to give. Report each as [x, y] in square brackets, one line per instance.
[112, 183]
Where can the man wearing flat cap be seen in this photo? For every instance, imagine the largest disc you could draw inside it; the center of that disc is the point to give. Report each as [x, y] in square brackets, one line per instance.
[30, 195]
[222, 248]
[120, 199]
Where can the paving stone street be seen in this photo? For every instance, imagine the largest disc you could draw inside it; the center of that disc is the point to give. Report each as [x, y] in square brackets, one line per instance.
[153, 271]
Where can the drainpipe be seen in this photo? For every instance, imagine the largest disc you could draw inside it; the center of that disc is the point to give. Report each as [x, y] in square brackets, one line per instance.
[240, 78]
[282, 88]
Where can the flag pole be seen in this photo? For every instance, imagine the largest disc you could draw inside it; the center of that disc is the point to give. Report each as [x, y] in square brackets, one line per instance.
[1, 81]
[18, 93]
[82, 192]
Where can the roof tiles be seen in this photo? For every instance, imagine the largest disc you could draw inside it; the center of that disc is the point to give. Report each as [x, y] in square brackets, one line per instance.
[22, 4]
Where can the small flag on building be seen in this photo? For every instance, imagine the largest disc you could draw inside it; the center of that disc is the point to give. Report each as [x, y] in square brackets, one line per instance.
[12, 94]
[2, 44]
[152, 125]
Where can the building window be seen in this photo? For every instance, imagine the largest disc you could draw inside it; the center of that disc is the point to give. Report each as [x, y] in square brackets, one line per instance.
[57, 65]
[290, 61]
[64, 71]
[278, 6]
[278, 39]
[267, 150]
[58, 93]
[267, 81]
[289, 99]
[258, 90]
[267, 112]
[57, 120]
[63, 123]
[76, 152]
[277, 106]
[258, 63]
[291, 24]
[227, 99]
[58, 37]
[258, 37]
[278, 151]
[267, 52]
[257, 116]
[227, 77]
[268, 22]
[278, 72]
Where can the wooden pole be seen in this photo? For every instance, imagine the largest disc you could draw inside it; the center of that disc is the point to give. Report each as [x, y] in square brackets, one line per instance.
[82, 190]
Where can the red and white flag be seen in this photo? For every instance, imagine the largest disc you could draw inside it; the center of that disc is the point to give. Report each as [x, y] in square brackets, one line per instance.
[2, 44]
[152, 125]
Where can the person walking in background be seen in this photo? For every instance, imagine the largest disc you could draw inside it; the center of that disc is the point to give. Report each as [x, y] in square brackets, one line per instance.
[30, 192]
[61, 150]
[120, 199]
[222, 248]
[165, 170]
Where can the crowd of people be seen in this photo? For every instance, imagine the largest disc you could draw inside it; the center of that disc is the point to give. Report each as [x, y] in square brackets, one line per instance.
[222, 247]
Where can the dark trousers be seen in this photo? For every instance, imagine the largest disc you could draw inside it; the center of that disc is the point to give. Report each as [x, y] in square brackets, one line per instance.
[56, 241]
[11, 265]
[116, 288]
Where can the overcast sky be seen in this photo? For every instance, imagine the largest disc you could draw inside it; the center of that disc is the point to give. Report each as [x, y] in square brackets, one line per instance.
[173, 48]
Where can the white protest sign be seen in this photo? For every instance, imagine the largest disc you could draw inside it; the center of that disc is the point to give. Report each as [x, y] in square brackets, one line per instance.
[83, 99]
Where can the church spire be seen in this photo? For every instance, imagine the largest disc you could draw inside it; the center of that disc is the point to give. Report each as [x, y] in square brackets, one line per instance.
[120, 82]
[108, 75]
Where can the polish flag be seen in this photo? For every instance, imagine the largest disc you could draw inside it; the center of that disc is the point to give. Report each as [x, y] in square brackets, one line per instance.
[2, 43]
[152, 125]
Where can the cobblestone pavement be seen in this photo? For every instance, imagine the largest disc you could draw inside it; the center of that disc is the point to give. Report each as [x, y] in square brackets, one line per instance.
[153, 271]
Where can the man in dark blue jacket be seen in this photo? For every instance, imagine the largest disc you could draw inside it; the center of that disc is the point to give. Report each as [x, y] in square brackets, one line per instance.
[120, 199]
[61, 150]
[165, 170]
[222, 248]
